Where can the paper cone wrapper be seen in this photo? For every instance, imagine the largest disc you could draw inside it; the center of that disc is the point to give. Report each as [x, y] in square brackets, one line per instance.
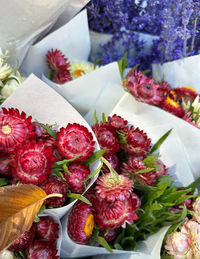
[148, 117]
[181, 72]
[172, 155]
[29, 20]
[99, 91]
[72, 40]
[37, 99]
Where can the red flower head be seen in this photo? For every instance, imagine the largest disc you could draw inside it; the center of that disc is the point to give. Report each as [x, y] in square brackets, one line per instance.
[5, 168]
[137, 142]
[173, 107]
[106, 136]
[15, 128]
[80, 223]
[164, 89]
[143, 88]
[23, 241]
[186, 93]
[56, 60]
[114, 214]
[47, 229]
[111, 187]
[75, 140]
[62, 77]
[41, 249]
[117, 122]
[78, 172]
[113, 159]
[132, 166]
[32, 162]
[110, 235]
[55, 185]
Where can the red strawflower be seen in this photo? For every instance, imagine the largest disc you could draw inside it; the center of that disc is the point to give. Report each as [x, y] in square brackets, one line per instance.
[143, 88]
[164, 89]
[111, 187]
[186, 93]
[23, 241]
[55, 185]
[75, 140]
[110, 235]
[41, 249]
[172, 106]
[15, 128]
[137, 142]
[188, 117]
[47, 229]
[78, 172]
[113, 159]
[32, 162]
[80, 223]
[106, 136]
[62, 77]
[56, 60]
[114, 214]
[5, 168]
[117, 122]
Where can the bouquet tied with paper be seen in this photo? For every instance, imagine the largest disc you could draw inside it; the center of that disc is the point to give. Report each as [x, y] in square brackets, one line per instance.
[135, 196]
[31, 152]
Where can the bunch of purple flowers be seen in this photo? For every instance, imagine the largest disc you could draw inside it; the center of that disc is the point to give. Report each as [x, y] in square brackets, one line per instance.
[175, 22]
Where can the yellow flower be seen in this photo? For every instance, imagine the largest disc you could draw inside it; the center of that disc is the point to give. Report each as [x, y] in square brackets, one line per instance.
[79, 69]
[5, 70]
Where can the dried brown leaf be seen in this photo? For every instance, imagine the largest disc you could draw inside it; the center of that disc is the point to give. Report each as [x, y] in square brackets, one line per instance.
[18, 207]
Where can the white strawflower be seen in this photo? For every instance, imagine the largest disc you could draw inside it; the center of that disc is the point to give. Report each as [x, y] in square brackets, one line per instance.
[185, 105]
[9, 88]
[3, 56]
[196, 104]
[5, 71]
[6, 254]
[78, 69]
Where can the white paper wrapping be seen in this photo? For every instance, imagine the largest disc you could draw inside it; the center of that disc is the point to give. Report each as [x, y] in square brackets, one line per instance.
[172, 155]
[37, 99]
[23, 21]
[98, 90]
[178, 73]
[72, 39]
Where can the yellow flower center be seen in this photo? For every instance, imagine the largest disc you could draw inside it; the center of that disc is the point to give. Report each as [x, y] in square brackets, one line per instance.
[173, 94]
[190, 88]
[124, 81]
[79, 72]
[6, 129]
[89, 225]
[172, 102]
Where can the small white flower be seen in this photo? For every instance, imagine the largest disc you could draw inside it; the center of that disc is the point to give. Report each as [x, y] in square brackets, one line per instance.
[5, 71]
[6, 254]
[3, 56]
[9, 88]
[78, 69]
[196, 104]
[185, 105]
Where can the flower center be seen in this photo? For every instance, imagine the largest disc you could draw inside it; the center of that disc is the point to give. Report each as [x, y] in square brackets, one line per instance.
[173, 95]
[79, 72]
[172, 102]
[6, 129]
[190, 88]
[89, 225]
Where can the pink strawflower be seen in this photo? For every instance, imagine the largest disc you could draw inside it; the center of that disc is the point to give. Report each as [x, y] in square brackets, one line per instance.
[56, 60]
[117, 122]
[62, 77]
[111, 187]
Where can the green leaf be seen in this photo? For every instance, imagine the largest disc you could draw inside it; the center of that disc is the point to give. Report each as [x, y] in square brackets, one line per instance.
[104, 120]
[144, 171]
[95, 156]
[79, 197]
[150, 160]
[111, 169]
[66, 161]
[101, 241]
[118, 247]
[41, 210]
[59, 174]
[156, 206]
[122, 63]
[93, 174]
[3, 182]
[193, 185]
[49, 131]
[95, 118]
[97, 62]
[146, 71]
[160, 142]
